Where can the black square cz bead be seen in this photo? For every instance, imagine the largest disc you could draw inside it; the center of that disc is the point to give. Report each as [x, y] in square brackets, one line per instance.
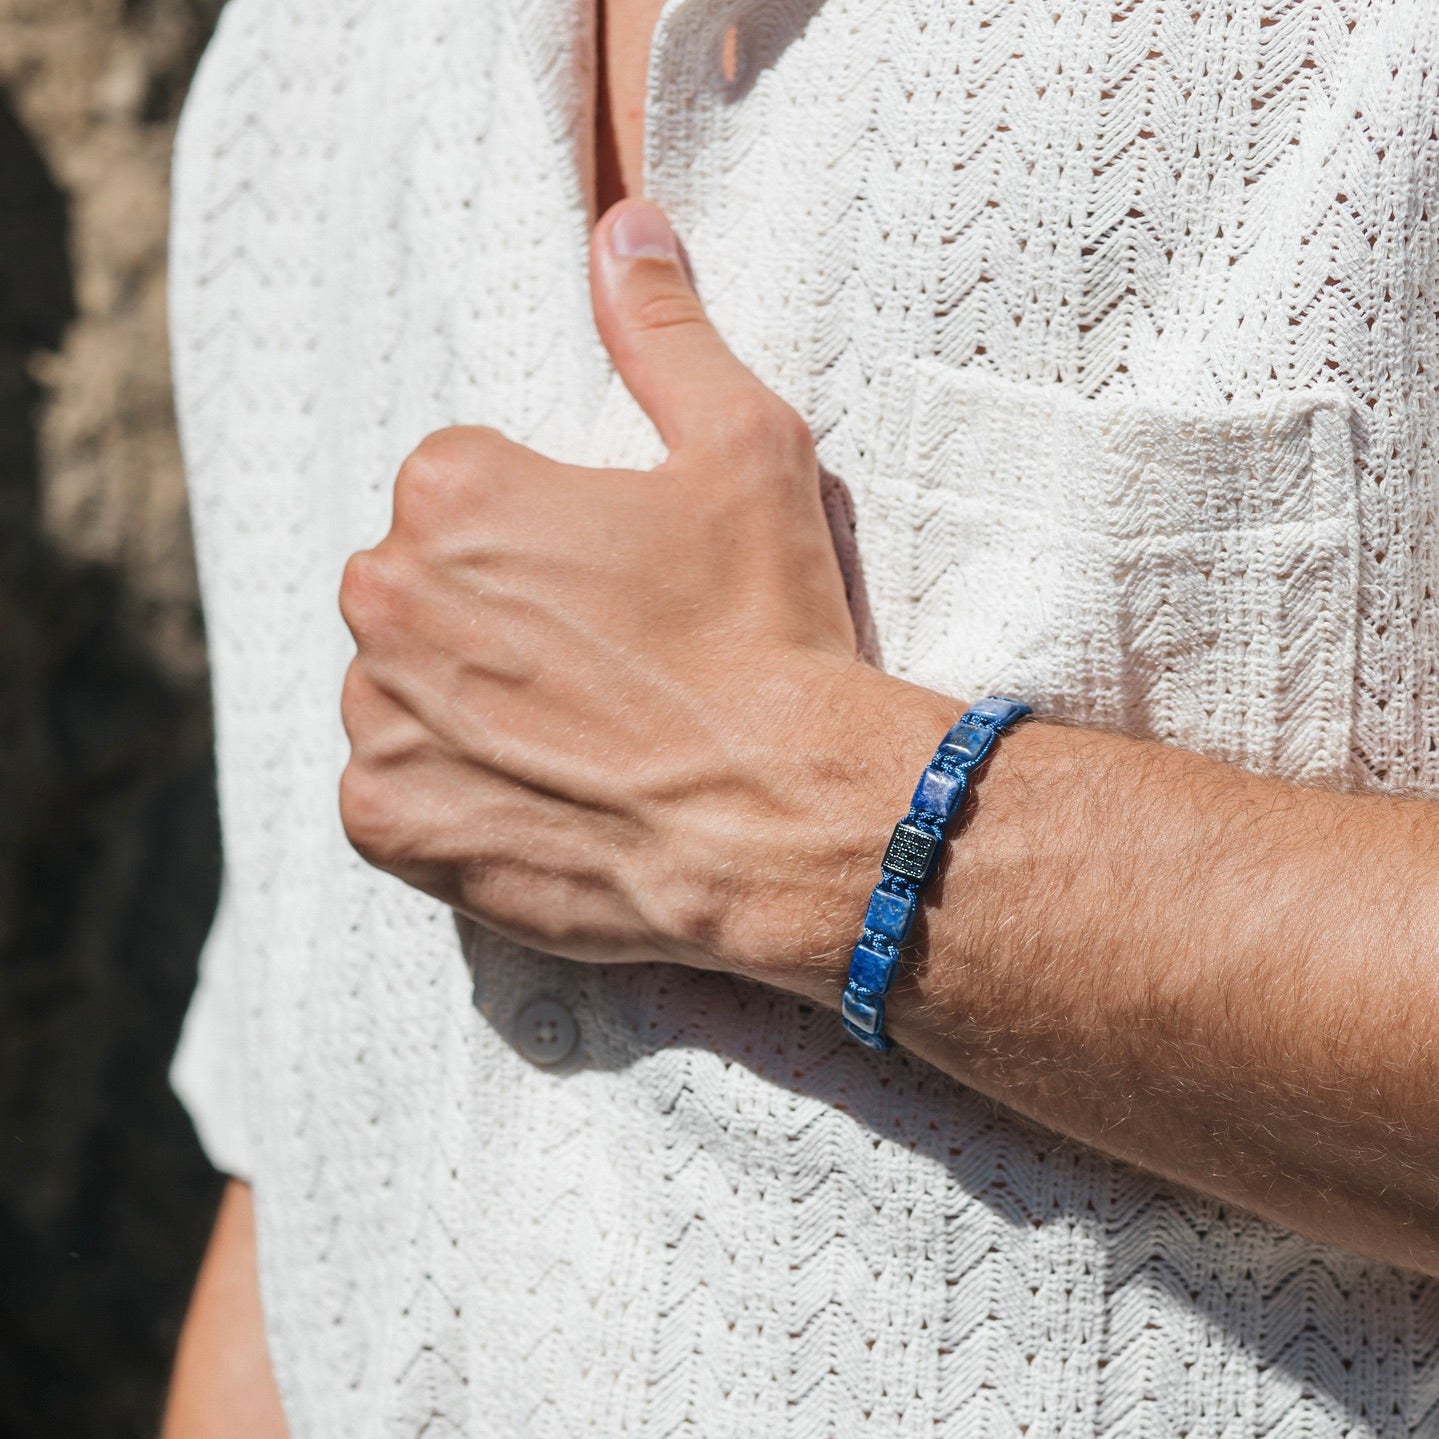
[911, 852]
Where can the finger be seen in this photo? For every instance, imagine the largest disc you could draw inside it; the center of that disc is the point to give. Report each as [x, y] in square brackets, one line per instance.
[652, 323]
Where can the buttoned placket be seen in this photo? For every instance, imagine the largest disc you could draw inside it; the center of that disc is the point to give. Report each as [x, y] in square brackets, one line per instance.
[686, 91]
[685, 86]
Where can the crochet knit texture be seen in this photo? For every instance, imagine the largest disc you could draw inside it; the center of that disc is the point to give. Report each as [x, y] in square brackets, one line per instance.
[1118, 322]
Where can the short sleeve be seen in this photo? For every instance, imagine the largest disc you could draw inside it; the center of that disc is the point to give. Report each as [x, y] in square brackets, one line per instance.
[239, 413]
[210, 1066]
[208, 1071]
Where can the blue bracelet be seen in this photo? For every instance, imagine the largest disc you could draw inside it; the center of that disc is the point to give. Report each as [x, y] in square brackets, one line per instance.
[909, 862]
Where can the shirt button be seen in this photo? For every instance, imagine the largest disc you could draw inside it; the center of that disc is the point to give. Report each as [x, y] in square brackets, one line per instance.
[545, 1032]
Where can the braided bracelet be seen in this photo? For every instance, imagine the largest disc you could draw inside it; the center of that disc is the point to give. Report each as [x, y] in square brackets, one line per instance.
[909, 861]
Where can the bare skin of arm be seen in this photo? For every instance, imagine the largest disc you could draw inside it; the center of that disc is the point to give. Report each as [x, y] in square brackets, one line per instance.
[1222, 978]
[223, 1387]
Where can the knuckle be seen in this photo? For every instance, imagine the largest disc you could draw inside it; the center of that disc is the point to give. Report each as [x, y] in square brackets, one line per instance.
[758, 429]
[354, 702]
[788, 437]
[427, 482]
[357, 591]
[367, 595]
[447, 468]
[440, 448]
[366, 814]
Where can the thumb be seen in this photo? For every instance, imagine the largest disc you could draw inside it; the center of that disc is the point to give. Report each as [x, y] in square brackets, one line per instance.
[652, 323]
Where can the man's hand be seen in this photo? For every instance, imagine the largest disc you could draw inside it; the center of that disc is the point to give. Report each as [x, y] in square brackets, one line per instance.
[582, 697]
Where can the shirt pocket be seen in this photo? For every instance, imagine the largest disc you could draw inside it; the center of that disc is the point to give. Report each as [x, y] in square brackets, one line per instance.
[1180, 573]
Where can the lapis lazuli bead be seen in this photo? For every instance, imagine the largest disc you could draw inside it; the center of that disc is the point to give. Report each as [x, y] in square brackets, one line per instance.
[967, 744]
[939, 792]
[911, 852]
[997, 710]
[892, 914]
[871, 970]
[865, 1016]
[909, 860]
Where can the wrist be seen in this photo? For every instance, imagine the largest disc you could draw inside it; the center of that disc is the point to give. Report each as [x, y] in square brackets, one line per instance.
[937, 807]
[843, 744]
[962, 994]
[969, 932]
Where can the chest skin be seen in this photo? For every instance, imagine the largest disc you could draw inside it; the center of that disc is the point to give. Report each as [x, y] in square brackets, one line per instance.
[625, 30]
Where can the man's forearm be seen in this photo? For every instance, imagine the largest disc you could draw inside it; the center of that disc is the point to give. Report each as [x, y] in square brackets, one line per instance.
[223, 1386]
[1225, 979]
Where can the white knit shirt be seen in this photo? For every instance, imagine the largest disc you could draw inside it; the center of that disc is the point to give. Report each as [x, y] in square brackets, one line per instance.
[1118, 320]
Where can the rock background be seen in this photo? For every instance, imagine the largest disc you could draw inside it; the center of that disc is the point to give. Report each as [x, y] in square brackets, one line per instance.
[109, 851]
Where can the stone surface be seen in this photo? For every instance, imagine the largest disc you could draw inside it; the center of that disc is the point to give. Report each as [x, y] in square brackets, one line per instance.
[109, 850]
